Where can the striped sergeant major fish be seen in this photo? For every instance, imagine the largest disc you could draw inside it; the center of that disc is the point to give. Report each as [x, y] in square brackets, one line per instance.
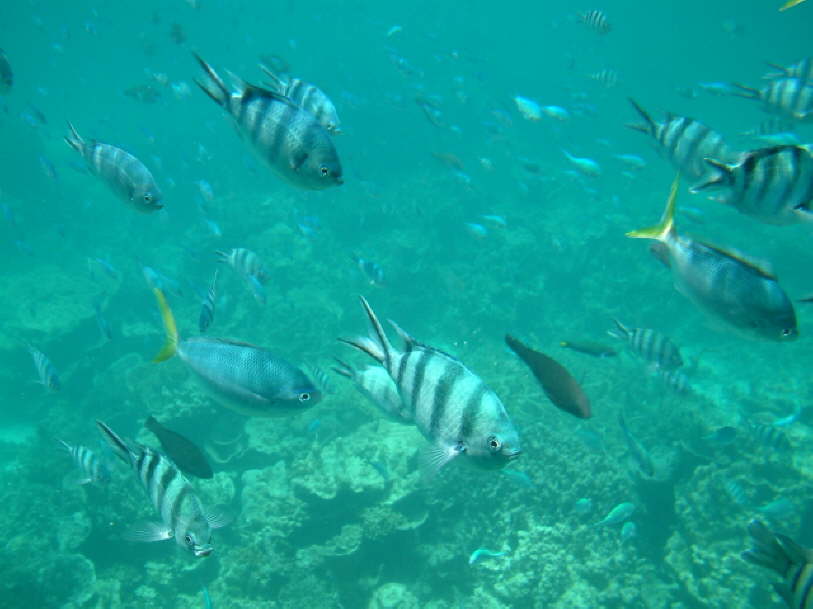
[207, 309]
[245, 378]
[451, 406]
[90, 467]
[803, 70]
[182, 515]
[375, 383]
[684, 141]
[773, 185]
[790, 97]
[309, 97]
[123, 173]
[289, 138]
[652, 346]
[792, 562]
[245, 262]
[724, 285]
[768, 436]
[596, 20]
[47, 375]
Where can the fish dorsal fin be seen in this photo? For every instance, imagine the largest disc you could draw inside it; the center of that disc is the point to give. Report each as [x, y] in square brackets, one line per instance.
[409, 341]
[250, 92]
[759, 267]
[225, 341]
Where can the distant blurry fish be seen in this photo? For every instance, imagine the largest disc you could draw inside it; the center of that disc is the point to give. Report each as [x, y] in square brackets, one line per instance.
[101, 321]
[716, 88]
[596, 20]
[790, 97]
[617, 515]
[147, 93]
[585, 166]
[637, 451]
[772, 438]
[248, 379]
[206, 191]
[607, 77]
[790, 419]
[245, 262]
[207, 309]
[589, 348]
[557, 112]
[184, 453]
[123, 173]
[803, 70]
[631, 160]
[309, 97]
[288, 137]
[257, 289]
[629, 531]
[582, 507]
[726, 286]
[476, 230]
[372, 270]
[528, 108]
[736, 492]
[790, 4]
[48, 168]
[376, 384]
[558, 384]
[722, 436]
[6, 74]
[684, 141]
[483, 552]
[48, 376]
[773, 185]
[431, 110]
[778, 508]
[652, 346]
[321, 378]
[159, 281]
[90, 467]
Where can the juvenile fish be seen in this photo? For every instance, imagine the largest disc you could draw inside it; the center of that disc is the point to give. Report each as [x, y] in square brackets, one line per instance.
[309, 97]
[289, 138]
[46, 372]
[372, 270]
[90, 467]
[244, 262]
[528, 108]
[182, 515]
[791, 97]
[585, 166]
[123, 173]
[653, 347]
[375, 383]
[589, 348]
[726, 286]
[617, 515]
[207, 309]
[596, 20]
[184, 453]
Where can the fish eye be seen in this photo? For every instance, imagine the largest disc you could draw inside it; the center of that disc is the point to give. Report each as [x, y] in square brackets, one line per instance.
[147, 197]
[188, 539]
[325, 171]
[494, 444]
[304, 397]
[786, 331]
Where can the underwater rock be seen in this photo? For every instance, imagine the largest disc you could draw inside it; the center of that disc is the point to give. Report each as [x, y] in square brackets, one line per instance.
[393, 596]
[73, 530]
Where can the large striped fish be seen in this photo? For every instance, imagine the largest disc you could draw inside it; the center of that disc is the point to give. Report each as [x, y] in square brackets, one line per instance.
[792, 562]
[773, 185]
[123, 173]
[684, 141]
[90, 468]
[449, 403]
[722, 284]
[790, 97]
[288, 137]
[307, 96]
[245, 378]
[182, 515]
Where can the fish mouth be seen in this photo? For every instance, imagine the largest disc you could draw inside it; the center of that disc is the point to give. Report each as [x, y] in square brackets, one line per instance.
[202, 551]
[514, 454]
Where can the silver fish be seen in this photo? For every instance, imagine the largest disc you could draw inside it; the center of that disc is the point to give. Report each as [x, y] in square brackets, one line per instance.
[790, 97]
[375, 383]
[307, 96]
[248, 379]
[207, 309]
[653, 347]
[773, 185]
[245, 262]
[288, 137]
[684, 141]
[123, 173]
[182, 513]
[91, 467]
[724, 285]
[450, 404]
[46, 372]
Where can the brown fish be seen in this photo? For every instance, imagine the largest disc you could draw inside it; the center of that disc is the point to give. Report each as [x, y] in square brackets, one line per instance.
[186, 455]
[557, 383]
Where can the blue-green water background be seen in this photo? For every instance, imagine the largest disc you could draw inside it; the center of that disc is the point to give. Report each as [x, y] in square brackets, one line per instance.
[559, 269]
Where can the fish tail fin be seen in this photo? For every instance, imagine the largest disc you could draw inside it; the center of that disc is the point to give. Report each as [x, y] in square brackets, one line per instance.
[722, 176]
[73, 139]
[378, 347]
[666, 226]
[119, 446]
[171, 342]
[214, 87]
[789, 4]
[649, 125]
[746, 92]
[772, 550]
[343, 368]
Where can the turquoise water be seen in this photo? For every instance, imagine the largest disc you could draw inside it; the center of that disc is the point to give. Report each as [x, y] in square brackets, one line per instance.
[331, 509]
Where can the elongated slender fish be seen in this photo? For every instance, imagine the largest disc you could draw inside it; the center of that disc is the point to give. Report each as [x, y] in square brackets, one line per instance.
[451, 405]
[637, 451]
[123, 173]
[46, 372]
[479, 552]
[207, 308]
[184, 453]
[309, 97]
[289, 138]
[652, 346]
[589, 348]
[89, 466]
[722, 284]
[248, 379]
[182, 515]
[375, 383]
[773, 185]
[558, 384]
[791, 97]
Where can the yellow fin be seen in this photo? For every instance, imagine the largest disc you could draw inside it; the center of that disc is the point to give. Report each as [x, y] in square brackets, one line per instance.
[667, 224]
[790, 4]
[171, 342]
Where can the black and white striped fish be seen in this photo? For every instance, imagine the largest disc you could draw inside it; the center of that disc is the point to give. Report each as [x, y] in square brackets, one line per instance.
[90, 467]
[790, 97]
[803, 70]
[245, 262]
[652, 346]
[685, 142]
[773, 185]
[375, 383]
[450, 404]
[596, 20]
[207, 309]
[288, 137]
[307, 96]
[770, 437]
[607, 77]
[123, 173]
[47, 375]
[792, 562]
[182, 513]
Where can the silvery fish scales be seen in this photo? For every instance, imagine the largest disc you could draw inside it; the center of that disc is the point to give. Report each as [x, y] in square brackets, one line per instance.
[123, 173]
[310, 97]
[288, 137]
[790, 97]
[650, 345]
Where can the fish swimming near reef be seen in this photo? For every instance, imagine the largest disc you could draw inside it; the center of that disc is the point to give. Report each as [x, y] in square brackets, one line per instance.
[451, 406]
[651, 346]
[288, 137]
[184, 453]
[46, 372]
[309, 97]
[617, 515]
[376, 384]
[790, 97]
[245, 378]
[6, 74]
[207, 308]
[250, 267]
[558, 384]
[123, 173]
[724, 285]
[182, 514]
[639, 455]
[589, 348]
[90, 468]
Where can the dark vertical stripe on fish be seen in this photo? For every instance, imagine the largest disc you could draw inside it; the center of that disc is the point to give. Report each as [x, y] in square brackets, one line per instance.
[469, 414]
[167, 478]
[443, 392]
[177, 504]
[423, 360]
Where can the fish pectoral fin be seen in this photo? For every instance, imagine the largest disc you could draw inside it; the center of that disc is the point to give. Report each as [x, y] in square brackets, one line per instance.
[219, 516]
[147, 532]
[438, 455]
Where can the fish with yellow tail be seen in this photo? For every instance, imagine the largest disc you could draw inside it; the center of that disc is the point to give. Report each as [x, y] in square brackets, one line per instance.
[789, 4]
[247, 379]
[722, 284]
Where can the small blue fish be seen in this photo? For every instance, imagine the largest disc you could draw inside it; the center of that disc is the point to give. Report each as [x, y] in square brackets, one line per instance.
[484, 552]
[585, 166]
[478, 231]
[736, 492]
[381, 468]
[617, 515]
[206, 191]
[313, 426]
[103, 264]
